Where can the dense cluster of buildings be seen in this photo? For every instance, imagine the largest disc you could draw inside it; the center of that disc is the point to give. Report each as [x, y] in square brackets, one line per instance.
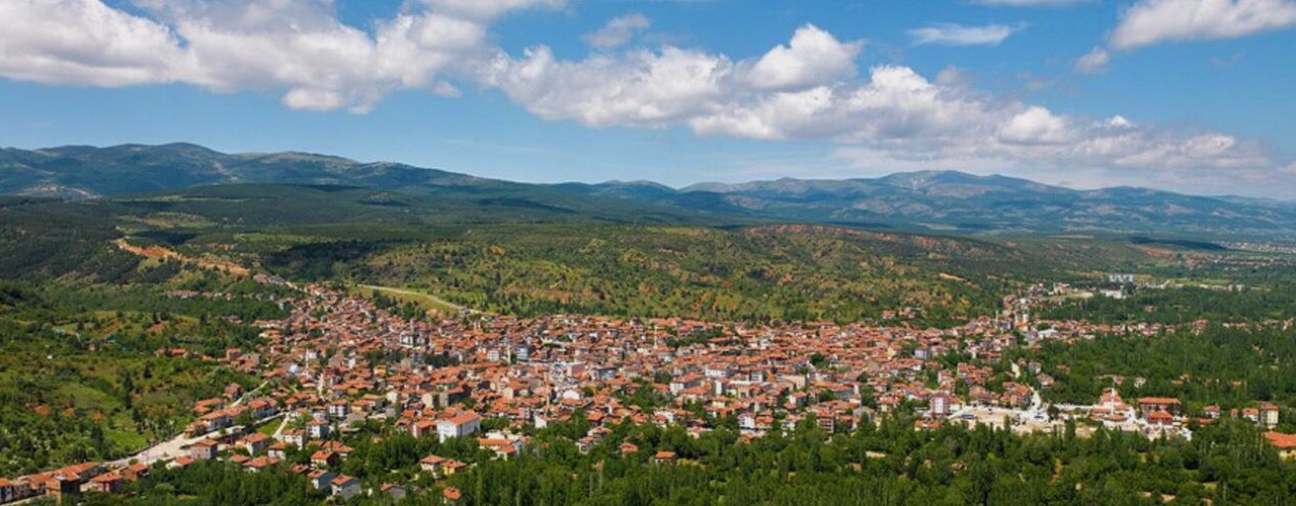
[337, 361]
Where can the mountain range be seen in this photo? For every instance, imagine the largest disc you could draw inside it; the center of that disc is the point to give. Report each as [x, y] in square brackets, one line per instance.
[948, 201]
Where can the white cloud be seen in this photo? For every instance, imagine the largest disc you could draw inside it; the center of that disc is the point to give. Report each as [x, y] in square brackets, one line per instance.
[83, 42]
[298, 47]
[813, 57]
[1151, 21]
[618, 31]
[894, 115]
[486, 10]
[643, 88]
[808, 88]
[1035, 125]
[1093, 62]
[896, 104]
[949, 34]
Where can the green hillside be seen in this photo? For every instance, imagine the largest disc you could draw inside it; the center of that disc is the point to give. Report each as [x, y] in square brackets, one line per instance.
[924, 201]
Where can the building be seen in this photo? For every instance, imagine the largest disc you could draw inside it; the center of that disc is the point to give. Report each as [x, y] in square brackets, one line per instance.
[255, 443]
[1167, 404]
[203, 450]
[320, 479]
[1284, 443]
[317, 429]
[395, 491]
[451, 495]
[944, 404]
[324, 458]
[458, 426]
[345, 486]
[432, 464]
[1269, 415]
[106, 483]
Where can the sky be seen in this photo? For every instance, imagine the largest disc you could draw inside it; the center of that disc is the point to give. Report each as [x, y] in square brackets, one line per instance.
[1197, 96]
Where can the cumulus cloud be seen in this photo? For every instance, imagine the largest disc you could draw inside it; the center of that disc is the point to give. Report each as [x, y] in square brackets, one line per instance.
[643, 88]
[618, 31]
[83, 42]
[949, 34]
[1119, 121]
[894, 114]
[806, 88]
[1035, 125]
[1152, 21]
[297, 46]
[813, 57]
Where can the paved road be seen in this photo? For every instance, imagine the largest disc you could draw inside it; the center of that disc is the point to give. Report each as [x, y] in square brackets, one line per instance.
[174, 447]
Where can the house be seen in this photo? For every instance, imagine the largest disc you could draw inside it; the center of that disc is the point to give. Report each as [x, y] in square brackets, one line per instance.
[432, 464]
[345, 486]
[259, 464]
[135, 471]
[263, 408]
[1284, 443]
[685, 382]
[339, 409]
[203, 450]
[451, 495]
[255, 443]
[317, 429]
[664, 457]
[320, 479]
[396, 492]
[279, 450]
[450, 467]
[503, 448]
[342, 450]
[423, 428]
[295, 437]
[8, 491]
[107, 483]
[324, 458]
[459, 425]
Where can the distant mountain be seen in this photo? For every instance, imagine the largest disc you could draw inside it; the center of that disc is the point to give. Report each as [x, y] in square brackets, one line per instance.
[319, 184]
[956, 201]
[82, 171]
[922, 201]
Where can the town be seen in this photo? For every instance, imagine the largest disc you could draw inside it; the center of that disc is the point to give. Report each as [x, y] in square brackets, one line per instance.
[338, 362]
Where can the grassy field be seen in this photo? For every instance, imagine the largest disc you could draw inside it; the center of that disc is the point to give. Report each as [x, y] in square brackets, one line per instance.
[433, 303]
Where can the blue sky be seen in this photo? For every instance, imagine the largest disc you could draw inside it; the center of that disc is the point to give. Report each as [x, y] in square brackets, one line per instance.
[1082, 93]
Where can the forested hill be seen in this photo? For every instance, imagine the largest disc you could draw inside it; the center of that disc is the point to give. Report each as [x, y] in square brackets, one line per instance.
[942, 201]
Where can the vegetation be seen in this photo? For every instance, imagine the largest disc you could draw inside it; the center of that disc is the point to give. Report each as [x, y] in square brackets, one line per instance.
[888, 464]
[752, 274]
[1227, 367]
[1218, 294]
[80, 378]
